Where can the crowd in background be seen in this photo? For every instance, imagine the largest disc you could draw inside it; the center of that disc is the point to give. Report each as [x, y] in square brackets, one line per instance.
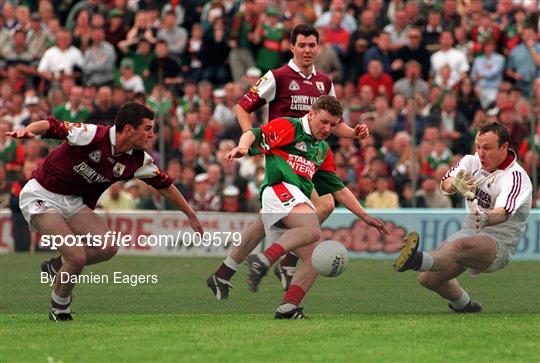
[446, 66]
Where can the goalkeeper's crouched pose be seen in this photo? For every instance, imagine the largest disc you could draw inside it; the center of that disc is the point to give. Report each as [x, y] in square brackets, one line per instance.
[498, 195]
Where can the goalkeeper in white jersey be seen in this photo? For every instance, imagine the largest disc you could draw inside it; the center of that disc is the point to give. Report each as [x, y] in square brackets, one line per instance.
[499, 195]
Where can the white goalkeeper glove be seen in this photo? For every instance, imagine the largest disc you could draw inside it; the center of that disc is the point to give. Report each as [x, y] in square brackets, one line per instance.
[480, 217]
[464, 184]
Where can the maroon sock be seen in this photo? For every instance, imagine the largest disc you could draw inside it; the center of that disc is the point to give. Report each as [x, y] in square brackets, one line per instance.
[290, 260]
[274, 252]
[224, 272]
[57, 263]
[294, 295]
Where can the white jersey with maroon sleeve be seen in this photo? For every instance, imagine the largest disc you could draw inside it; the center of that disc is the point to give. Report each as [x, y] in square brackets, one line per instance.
[86, 164]
[508, 187]
[288, 91]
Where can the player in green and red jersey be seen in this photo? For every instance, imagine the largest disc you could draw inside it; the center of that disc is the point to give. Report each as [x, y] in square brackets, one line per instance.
[294, 150]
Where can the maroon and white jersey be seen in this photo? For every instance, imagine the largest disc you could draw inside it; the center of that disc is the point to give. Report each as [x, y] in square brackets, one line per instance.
[507, 187]
[86, 165]
[288, 91]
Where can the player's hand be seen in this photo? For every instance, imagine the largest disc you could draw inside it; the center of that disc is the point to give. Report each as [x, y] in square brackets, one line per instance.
[195, 224]
[464, 184]
[237, 152]
[480, 217]
[21, 134]
[361, 131]
[376, 223]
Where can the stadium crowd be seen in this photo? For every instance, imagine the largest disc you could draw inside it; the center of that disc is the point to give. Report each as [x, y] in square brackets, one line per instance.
[446, 66]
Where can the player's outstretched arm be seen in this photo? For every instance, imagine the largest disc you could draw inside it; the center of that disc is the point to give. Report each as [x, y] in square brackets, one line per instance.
[174, 196]
[30, 131]
[345, 131]
[242, 149]
[348, 200]
[244, 118]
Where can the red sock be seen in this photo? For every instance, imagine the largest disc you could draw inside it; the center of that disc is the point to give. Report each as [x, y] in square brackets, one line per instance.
[274, 252]
[294, 295]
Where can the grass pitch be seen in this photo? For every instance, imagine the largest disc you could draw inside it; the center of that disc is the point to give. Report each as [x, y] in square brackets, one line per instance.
[370, 313]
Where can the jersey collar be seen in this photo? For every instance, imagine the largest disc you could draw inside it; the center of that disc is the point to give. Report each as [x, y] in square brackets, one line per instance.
[112, 137]
[508, 161]
[295, 68]
[305, 125]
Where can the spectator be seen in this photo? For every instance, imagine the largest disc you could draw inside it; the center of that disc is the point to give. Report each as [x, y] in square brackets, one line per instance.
[432, 195]
[337, 35]
[359, 42]
[103, 112]
[18, 54]
[130, 81]
[381, 52]
[37, 39]
[92, 6]
[115, 30]
[451, 57]
[433, 31]
[61, 59]
[524, 61]
[269, 36]
[214, 54]
[99, 60]
[175, 36]
[203, 199]
[231, 199]
[116, 198]
[165, 66]
[73, 110]
[453, 126]
[468, 102]
[450, 17]
[398, 30]
[10, 20]
[243, 24]
[193, 66]
[83, 31]
[379, 81]
[412, 50]
[382, 197]
[383, 118]
[508, 117]
[11, 151]
[412, 83]
[487, 73]
[327, 59]
[348, 21]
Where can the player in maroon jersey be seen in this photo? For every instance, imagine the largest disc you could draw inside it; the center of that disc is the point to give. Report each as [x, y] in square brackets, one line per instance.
[289, 91]
[64, 190]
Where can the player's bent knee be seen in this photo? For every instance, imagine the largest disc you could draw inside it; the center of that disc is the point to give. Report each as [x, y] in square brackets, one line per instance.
[314, 234]
[76, 260]
[110, 251]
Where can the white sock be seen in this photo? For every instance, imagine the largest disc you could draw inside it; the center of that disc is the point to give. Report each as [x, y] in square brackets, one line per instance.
[462, 301]
[60, 300]
[427, 262]
[230, 263]
[283, 308]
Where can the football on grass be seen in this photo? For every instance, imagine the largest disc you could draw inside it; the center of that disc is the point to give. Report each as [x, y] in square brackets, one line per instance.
[330, 258]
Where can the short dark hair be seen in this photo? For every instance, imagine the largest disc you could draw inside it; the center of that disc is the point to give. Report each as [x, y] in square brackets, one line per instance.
[305, 30]
[132, 113]
[330, 104]
[498, 129]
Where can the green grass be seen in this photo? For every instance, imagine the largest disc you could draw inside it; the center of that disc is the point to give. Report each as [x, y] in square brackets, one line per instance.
[370, 313]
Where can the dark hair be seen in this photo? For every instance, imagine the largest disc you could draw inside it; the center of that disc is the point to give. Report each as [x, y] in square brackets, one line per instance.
[329, 104]
[305, 30]
[132, 113]
[498, 129]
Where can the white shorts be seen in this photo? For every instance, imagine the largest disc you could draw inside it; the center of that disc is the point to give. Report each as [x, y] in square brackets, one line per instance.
[34, 199]
[277, 202]
[503, 250]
